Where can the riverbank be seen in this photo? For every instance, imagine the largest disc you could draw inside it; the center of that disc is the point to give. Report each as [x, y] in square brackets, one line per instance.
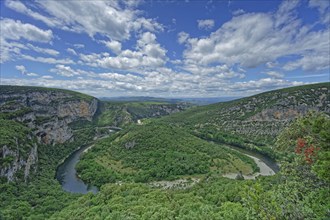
[267, 166]
[66, 173]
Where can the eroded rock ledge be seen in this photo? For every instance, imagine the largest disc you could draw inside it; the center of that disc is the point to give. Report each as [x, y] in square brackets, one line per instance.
[47, 114]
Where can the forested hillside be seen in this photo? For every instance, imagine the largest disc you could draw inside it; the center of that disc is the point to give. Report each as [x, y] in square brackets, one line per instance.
[167, 167]
[254, 122]
[33, 118]
[122, 114]
[179, 110]
[299, 191]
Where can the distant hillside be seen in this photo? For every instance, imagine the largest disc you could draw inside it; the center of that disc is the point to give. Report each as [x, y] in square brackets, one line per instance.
[121, 114]
[208, 101]
[139, 99]
[258, 118]
[194, 101]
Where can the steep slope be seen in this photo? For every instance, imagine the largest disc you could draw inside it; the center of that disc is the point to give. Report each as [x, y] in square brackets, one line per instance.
[31, 116]
[257, 119]
[48, 111]
[168, 149]
[18, 149]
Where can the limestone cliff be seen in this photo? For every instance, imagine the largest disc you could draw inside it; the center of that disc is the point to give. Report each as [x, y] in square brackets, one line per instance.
[47, 114]
[268, 114]
[261, 116]
[19, 161]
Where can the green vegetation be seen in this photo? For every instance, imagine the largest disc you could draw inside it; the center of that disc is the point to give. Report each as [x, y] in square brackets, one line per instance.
[14, 134]
[42, 195]
[10, 131]
[122, 114]
[308, 143]
[253, 122]
[296, 192]
[179, 147]
[114, 114]
[211, 133]
[14, 114]
[211, 199]
[156, 152]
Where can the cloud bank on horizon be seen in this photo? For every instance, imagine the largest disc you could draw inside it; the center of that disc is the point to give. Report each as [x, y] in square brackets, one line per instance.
[165, 49]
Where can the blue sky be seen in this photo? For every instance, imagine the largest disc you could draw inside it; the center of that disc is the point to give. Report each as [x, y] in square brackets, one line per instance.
[165, 48]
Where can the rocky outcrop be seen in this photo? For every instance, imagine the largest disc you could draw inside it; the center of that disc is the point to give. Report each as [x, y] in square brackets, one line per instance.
[31, 160]
[265, 115]
[275, 112]
[290, 106]
[161, 110]
[47, 113]
[129, 145]
[18, 161]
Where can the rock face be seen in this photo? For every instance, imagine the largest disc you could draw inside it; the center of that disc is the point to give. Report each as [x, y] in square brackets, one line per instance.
[48, 114]
[161, 110]
[266, 114]
[130, 144]
[274, 112]
[19, 162]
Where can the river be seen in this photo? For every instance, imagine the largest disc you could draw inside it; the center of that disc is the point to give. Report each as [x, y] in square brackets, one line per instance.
[267, 166]
[66, 172]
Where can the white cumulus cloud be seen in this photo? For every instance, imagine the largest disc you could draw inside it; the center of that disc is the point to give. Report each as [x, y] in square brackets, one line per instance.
[49, 60]
[71, 51]
[23, 71]
[275, 74]
[108, 18]
[253, 39]
[63, 70]
[205, 24]
[182, 37]
[148, 54]
[114, 46]
[15, 30]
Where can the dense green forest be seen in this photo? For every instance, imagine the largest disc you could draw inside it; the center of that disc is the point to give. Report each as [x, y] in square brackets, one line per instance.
[157, 151]
[164, 109]
[299, 191]
[189, 146]
[253, 122]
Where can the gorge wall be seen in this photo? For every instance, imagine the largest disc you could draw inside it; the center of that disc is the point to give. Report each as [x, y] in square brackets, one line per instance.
[44, 115]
